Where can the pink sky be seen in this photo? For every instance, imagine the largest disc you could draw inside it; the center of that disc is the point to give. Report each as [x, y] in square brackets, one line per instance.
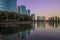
[42, 7]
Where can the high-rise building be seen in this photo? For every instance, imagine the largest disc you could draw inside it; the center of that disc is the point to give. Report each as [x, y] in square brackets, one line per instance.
[8, 5]
[33, 16]
[28, 12]
[22, 9]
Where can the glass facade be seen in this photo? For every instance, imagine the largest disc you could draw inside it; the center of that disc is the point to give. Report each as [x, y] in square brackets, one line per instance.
[33, 16]
[8, 5]
[28, 12]
[22, 9]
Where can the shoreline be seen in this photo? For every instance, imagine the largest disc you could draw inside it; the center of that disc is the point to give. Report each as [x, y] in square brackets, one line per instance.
[24, 22]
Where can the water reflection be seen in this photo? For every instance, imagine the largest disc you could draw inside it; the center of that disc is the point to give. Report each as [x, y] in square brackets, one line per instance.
[40, 24]
[14, 32]
[48, 24]
[22, 31]
[54, 24]
[33, 25]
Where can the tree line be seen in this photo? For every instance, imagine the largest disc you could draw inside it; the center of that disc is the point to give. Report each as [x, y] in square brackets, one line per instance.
[5, 15]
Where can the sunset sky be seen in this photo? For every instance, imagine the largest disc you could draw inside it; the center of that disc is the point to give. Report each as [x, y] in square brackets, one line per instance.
[46, 8]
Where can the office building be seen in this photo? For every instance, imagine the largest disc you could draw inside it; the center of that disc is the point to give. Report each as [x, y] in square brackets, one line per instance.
[28, 12]
[22, 9]
[41, 18]
[8, 5]
[33, 16]
[54, 18]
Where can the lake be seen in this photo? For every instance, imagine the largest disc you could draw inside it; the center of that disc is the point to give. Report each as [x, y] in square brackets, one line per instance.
[33, 31]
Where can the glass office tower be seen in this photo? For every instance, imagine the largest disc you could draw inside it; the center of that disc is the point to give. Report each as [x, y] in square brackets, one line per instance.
[8, 5]
[33, 16]
[28, 12]
[22, 9]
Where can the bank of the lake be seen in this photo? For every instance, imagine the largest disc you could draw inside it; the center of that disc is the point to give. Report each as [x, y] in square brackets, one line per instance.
[26, 22]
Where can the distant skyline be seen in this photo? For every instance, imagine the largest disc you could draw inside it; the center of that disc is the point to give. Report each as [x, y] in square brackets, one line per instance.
[46, 8]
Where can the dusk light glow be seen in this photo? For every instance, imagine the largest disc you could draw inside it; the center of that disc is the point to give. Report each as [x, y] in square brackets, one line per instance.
[46, 8]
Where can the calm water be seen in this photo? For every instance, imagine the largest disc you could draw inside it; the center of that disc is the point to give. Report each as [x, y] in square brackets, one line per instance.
[33, 31]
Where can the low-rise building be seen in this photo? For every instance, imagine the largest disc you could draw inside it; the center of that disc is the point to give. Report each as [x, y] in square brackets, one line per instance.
[40, 18]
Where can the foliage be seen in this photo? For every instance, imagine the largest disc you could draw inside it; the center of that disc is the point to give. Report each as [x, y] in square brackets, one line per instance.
[5, 15]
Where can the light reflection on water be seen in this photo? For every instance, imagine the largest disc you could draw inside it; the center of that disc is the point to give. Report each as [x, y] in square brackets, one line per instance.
[23, 31]
[49, 26]
[14, 32]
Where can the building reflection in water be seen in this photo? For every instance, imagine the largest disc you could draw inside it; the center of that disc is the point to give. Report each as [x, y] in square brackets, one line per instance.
[16, 32]
[33, 25]
[23, 34]
[54, 24]
[21, 31]
[41, 24]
